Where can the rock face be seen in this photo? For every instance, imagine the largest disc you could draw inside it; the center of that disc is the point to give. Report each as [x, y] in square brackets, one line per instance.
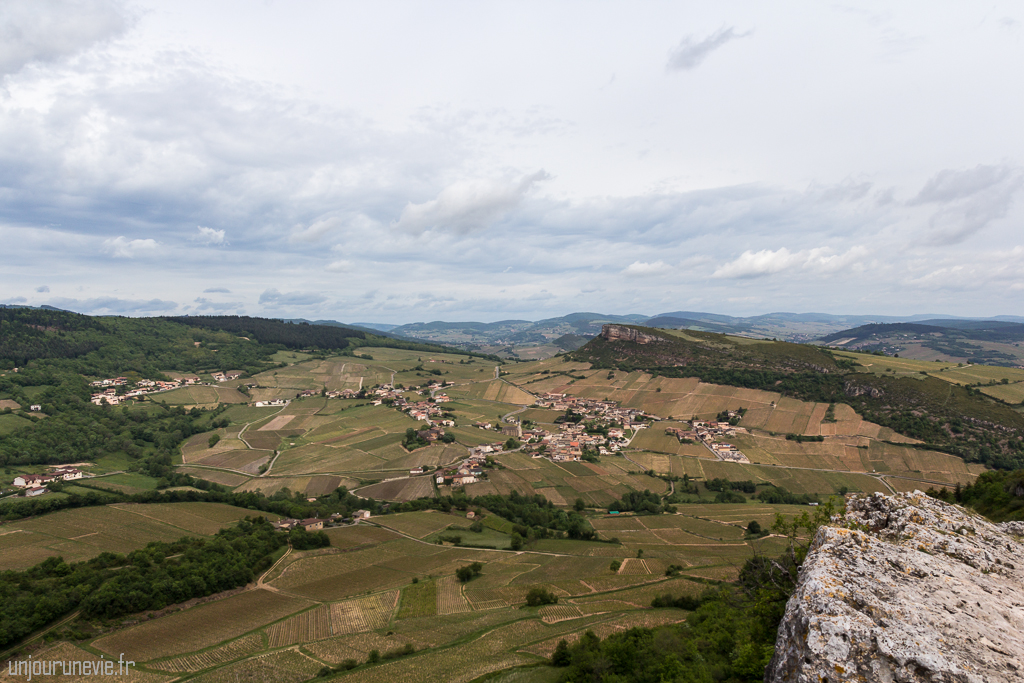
[905, 589]
[854, 390]
[620, 332]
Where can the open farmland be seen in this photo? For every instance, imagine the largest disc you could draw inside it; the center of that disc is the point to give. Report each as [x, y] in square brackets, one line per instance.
[83, 533]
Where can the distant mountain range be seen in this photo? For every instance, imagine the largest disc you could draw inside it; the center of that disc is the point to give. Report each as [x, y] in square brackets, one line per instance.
[571, 331]
[992, 342]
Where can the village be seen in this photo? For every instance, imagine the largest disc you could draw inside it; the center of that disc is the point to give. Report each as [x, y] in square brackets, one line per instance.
[115, 389]
[707, 432]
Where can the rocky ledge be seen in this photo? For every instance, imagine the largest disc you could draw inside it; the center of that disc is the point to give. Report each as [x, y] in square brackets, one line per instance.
[904, 589]
[623, 333]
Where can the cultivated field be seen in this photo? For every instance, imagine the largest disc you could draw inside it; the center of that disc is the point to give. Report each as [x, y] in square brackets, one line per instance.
[82, 533]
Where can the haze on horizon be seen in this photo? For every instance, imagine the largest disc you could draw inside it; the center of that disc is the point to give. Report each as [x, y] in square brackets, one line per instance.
[398, 161]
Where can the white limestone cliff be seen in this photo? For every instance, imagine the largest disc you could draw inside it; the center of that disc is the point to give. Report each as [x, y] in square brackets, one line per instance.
[905, 589]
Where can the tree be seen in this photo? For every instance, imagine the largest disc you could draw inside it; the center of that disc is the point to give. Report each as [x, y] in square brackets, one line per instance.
[615, 565]
[580, 505]
[517, 542]
[561, 656]
[753, 528]
[538, 596]
[214, 438]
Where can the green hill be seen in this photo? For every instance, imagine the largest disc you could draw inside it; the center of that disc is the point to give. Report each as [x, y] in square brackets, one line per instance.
[956, 419]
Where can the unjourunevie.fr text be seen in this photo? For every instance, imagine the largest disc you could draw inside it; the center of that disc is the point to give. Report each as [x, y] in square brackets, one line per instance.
[48, 667]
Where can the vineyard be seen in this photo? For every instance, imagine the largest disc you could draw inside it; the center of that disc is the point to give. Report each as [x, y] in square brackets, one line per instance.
[236, 649]
[289, 666]
[450, 599]
[202, 626]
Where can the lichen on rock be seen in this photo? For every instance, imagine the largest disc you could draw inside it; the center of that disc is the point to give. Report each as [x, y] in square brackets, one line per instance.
[905, 589]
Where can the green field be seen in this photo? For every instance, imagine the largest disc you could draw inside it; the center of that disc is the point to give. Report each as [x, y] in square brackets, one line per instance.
[12, 422]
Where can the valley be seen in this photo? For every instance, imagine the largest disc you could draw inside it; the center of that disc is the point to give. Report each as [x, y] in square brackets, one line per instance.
[602, 536]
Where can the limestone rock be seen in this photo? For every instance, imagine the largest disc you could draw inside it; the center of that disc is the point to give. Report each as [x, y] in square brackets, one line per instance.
[623, 333]
[906, 589]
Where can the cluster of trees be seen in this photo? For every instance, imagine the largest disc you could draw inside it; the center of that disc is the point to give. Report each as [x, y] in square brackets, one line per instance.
[469, 572]
[997, 495]
[687, 602]
[717, 484]
[642, 501]
[801, 438]
[110, 586]
[777, 495]
[535, 516]
[539, 596]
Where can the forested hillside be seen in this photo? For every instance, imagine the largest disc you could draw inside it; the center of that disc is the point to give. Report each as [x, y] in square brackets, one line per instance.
[57, 352]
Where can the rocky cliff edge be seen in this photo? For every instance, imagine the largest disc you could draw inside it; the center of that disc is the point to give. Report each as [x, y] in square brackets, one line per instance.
[904, 589]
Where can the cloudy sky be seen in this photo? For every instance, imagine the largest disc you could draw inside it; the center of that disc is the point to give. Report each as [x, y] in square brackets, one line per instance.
[408, 161]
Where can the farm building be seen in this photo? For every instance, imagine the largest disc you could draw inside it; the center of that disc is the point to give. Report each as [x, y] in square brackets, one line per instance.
[33, 480]
[362, 514]
[312, 524]
[35, 491]
[286, 524]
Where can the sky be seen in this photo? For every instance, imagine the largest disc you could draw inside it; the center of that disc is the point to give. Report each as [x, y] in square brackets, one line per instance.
[395, 162]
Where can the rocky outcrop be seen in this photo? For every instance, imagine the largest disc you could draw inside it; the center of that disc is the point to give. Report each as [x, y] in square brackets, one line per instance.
[853, 390]
[623, 333]
[906, 589]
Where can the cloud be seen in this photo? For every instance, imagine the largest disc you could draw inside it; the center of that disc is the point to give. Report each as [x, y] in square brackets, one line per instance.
[217, 290]
[114, 305]
[949, 185]
[325, 225]
[122, 247]
[276, 298]
[17, 300]
[43, 288]
[339, 266]
[644, 269]
[49, 30]
[968, 200]
[209, 236]
[207, 305]
[752, 264]
[467, 206]
[690, 52]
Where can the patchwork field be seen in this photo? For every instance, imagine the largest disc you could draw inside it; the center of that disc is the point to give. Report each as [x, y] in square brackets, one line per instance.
[375, 590]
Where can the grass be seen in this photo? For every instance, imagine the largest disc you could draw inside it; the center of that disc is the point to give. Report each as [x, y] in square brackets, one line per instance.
[12, 422]
[418, 600]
